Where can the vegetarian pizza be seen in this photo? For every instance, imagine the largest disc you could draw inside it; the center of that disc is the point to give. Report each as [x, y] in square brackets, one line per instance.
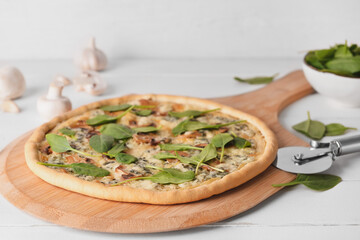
[156, 149]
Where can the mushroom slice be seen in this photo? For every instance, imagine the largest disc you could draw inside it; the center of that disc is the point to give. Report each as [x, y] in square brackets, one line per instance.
[9, 106]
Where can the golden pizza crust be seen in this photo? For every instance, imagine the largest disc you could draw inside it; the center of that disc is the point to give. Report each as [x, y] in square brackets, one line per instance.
[128, 194]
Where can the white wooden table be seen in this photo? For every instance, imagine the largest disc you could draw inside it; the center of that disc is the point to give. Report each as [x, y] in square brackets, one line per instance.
[293, 213]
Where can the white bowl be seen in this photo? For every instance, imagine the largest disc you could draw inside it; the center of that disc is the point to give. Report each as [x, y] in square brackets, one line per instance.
[344, 91]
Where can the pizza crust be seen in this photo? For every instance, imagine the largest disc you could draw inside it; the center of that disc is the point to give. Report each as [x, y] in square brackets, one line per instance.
[129, 194]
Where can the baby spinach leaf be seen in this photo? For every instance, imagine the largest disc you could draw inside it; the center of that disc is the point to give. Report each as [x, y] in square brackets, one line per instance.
[194, 161]
[60, 144]
[101, 143]
[324, 55]
[82, 169]
[318, 182]
[187, 125]
[117, 131]
[208, 153]
[221, 140]
[143, 113]
[102, 119]
[313, 129]
[313, 60]
[164, 155]
[177, 147]
[125, 158]
[68, 132]
[345, 65]
[343, 51]
[146, 129]
[191, 113]
[256, 80]
[165, 176]
[119, 147]
[241, 142]
[335, 129]
[115, 108]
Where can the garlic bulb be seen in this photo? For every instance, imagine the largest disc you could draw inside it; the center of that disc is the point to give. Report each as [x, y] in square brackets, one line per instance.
[9, 106]
[53, 103]
[91, 58]
[12, 83]
[90, 82]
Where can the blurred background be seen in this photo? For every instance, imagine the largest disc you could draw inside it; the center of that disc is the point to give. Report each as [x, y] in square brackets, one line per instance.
[174, 29]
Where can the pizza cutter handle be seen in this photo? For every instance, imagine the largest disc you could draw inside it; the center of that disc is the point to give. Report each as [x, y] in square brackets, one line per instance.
[345, 145]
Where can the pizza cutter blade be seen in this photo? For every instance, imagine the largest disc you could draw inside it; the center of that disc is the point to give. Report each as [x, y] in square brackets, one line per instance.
[318, 158]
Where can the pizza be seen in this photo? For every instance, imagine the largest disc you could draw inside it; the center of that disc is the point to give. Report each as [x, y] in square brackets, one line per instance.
[156, 149]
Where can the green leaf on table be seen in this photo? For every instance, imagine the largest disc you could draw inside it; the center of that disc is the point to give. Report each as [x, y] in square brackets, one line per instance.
[177, 147]
[188, 125]
[220, 140]
[311, 128]
[82, 169]
[103, 119]
[125, 158]
[101, 143]
[256, 80]
[191, 113]
[335, 129]
[165, 176]
[117, 131]
[60, 144]
[67, 132]
[318, 182]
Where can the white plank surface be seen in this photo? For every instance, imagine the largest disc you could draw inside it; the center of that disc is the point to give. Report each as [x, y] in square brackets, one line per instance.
[294, 213]
[42, 29]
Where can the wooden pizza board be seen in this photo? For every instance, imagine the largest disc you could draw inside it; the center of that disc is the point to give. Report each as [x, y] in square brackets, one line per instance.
[29, 193]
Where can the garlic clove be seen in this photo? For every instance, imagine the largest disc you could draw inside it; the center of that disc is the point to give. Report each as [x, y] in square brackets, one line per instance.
[12, 83]
[90, 82]
[91, 58]
[53, 103]
[9, 106]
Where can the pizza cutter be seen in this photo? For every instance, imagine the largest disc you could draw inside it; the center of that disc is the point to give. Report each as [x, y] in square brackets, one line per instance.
[318, 158]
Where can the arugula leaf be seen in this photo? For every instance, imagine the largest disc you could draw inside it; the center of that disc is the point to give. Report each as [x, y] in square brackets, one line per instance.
[60, 144]
[165, 176]
[313, 60]
[146, 129]
[82, 169]
[256, 80]
[188, 125]
[318, 182]
[335, 129]
[119, 147]
[324, 55]
[221, 140]
[194, 161]
[125, 158]
[343, 51]
[101, 143]
[177, 147]
[117, 131]
[68, 132]
[348, 66]
[191, 113]
[102, 119]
